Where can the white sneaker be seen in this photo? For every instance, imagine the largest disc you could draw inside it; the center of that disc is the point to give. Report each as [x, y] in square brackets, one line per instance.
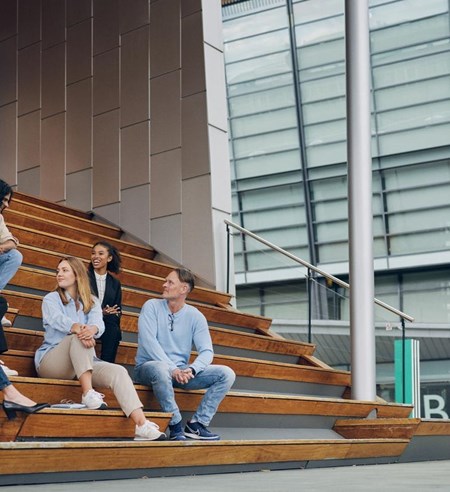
[9, 372]
[6, 322]
[94, 400]
[149, 432]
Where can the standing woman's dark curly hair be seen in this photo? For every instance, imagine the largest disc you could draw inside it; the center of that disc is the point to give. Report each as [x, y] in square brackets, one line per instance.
[116, 262]
[5, 189]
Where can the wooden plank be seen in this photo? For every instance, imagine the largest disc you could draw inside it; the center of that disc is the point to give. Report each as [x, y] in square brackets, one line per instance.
[52, 423]
[54, 206]
[21, 339]
[27, 277]
[266, 369]
[41, 256]
[40, 252]
[53, 391]
[434, 427]
[65, 218]
[20, 458]
[17, 219]
[377, 428]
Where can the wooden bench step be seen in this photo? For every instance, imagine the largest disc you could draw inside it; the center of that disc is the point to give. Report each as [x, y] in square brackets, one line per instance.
[430, 442]
[18, 219]
[244, 367]
[54, 390]
[42, 280]
[54, 423]
[257, 345]
[36, 254]
[48, 261]
[34, 200]
[66, 219]
[383, 428]
[40, 460]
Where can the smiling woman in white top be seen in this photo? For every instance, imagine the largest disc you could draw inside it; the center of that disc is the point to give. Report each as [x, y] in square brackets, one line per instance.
[105, 259]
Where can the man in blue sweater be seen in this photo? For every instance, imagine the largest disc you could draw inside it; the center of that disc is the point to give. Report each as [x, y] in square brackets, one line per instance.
[168, 328]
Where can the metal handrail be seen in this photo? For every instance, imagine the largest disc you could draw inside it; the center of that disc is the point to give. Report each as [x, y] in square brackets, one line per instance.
[314, 268]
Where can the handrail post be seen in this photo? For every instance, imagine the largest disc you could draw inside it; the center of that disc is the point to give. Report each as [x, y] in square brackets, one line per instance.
[228, 258]
[403, 361]
[309, 295]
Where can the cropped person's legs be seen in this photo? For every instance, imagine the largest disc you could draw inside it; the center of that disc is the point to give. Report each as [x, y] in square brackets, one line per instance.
[115, 377]
[218, 381]
[9, 264]
[159, 376]
[110, 340]
[4, 381]
[69, 359]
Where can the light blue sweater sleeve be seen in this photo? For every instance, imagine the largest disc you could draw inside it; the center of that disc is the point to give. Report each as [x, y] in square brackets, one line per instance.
[149, 347]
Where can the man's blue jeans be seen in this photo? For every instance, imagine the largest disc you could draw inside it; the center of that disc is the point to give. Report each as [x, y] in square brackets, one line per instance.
[9, 264]
[215, 378]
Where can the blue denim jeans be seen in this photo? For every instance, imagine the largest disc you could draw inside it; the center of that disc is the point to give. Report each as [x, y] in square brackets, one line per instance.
[216, 379]
[9, 264]
[4, 381]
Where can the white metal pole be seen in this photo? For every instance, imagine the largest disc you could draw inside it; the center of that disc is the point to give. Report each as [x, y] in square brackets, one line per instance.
[360, 200]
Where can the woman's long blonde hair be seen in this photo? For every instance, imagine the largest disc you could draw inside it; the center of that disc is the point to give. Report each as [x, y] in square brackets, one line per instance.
[82, 284]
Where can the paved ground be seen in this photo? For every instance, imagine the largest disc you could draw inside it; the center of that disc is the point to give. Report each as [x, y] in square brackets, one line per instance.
[424, 477]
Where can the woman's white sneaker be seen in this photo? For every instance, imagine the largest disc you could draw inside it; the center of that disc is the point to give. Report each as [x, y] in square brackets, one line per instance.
[149, 431]
[94, 400]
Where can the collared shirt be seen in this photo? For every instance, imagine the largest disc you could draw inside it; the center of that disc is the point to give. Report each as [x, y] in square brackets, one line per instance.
[101, 285]
[5, 235]
[58, 319]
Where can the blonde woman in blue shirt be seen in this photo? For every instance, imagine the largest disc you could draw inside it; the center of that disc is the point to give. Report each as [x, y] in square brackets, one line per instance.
[73, 320]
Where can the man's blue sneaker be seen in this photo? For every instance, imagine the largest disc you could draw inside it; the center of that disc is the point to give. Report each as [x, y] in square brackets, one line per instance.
[196, 430]
[176, 432]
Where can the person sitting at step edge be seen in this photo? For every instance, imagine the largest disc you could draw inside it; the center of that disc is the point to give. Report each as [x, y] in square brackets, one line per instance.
[10, 257]
[168, 328]
[73, 320]
[14, 401]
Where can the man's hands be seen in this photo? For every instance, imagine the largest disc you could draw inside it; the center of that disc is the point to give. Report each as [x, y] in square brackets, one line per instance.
[8, 245]
[182, 376]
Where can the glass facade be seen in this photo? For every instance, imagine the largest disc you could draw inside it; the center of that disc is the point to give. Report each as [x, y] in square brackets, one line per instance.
[285, 69]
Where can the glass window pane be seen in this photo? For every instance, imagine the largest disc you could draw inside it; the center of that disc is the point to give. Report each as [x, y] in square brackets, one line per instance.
[262, 101]
[263, 123]
[268, 164]
[264, 144]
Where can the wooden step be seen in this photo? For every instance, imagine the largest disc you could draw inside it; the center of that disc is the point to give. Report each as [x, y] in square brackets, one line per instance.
[66, 219]
[244, 367]
[34, 200]
[150, 287]
[22, 220]
[36, 462]
[431, 441]
[42, 280]
[257, 345]
[380, 428]
[54, 423]
[235, 403]
[214, 314]
[36, 257]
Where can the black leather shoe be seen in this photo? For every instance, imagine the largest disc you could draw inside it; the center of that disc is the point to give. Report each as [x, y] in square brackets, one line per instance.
[11, 408]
